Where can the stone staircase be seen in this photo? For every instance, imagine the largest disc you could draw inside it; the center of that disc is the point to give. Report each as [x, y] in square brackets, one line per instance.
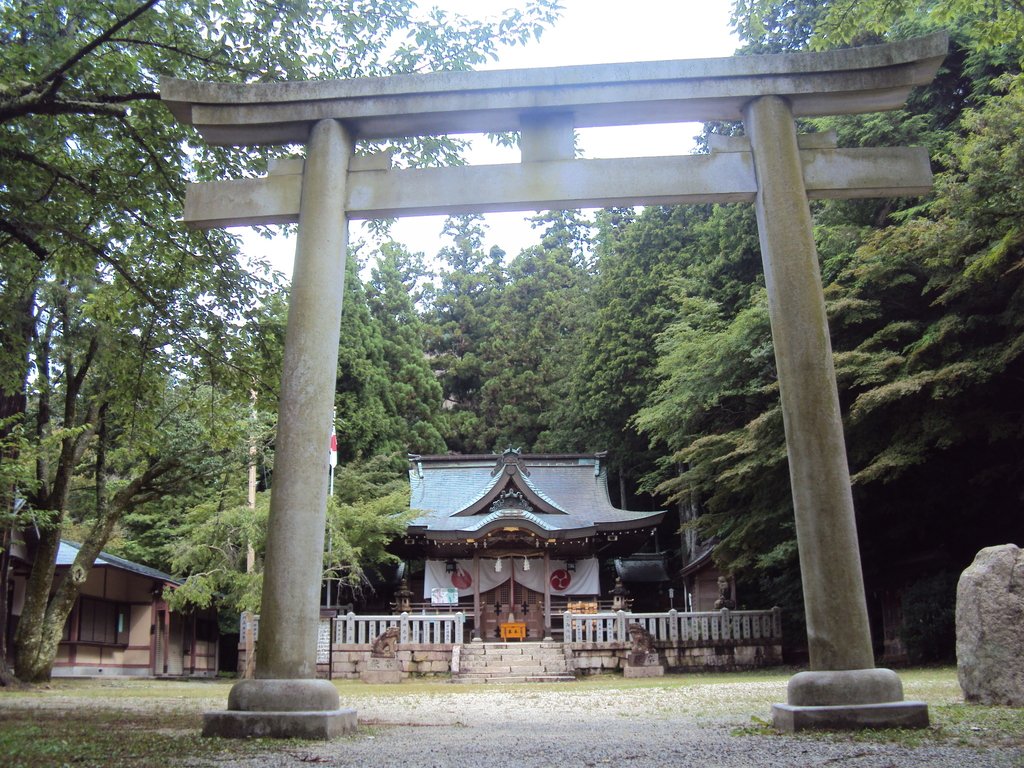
[510, 663]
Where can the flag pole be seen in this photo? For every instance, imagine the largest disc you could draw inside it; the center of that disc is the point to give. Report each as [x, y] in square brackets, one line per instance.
[332, 462]
[332, 452]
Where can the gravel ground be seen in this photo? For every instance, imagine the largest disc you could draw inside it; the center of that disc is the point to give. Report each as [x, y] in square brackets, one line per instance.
[549, 725]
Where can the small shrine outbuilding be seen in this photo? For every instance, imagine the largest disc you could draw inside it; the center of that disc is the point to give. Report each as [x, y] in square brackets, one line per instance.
[517, 537]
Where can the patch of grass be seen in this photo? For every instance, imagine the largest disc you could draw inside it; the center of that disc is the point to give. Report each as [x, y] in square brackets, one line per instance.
[757, 727]
[952, 720]
[980, 725]
[94, 737]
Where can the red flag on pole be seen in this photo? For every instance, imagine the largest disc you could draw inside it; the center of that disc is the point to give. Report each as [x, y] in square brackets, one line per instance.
[332, 456]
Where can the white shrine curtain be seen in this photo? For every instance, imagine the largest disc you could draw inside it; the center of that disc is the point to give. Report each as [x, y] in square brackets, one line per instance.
[583, 581]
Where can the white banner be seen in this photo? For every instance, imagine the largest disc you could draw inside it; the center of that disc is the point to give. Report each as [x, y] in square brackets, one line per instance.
[585, 580]
[437, 577]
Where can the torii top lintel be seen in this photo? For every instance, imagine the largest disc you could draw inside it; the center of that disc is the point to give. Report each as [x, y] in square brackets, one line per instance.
[846, 81]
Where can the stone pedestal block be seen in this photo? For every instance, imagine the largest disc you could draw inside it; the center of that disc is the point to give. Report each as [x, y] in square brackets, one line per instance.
[279, 725]
[893, 714]
[381, 671]
[990, 627]
[649, 670]
[847, 700]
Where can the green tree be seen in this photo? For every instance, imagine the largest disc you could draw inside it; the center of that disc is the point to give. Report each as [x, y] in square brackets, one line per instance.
[832, 23]
[644, 266]
[459, 321]
[366, 414]
[535, 319]
[370, 508]
[416, 392]
[105, 301]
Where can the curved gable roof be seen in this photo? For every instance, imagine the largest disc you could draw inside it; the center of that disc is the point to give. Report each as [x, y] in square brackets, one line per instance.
[560, 493]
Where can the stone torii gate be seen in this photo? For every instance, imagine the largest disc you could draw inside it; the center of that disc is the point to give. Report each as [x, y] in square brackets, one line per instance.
[771, 166]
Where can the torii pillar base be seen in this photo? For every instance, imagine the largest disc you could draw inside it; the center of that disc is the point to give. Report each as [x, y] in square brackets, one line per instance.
[847, 700]
[281, 709]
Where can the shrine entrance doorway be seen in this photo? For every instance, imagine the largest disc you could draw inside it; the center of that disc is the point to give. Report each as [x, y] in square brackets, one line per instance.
[513, 602]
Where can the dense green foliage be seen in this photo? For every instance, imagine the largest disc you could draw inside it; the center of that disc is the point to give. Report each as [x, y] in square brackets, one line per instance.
[924, 308]
[130, 344]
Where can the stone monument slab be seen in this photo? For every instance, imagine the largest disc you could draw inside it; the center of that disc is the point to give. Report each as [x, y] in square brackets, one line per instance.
[990, 627]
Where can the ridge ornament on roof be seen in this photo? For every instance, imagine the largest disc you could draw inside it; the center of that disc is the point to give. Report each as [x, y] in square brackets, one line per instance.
[510, 461]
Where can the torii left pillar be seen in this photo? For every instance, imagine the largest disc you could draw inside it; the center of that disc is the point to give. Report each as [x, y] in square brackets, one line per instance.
[285, 699]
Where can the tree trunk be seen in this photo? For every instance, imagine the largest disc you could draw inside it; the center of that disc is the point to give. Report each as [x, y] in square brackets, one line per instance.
[32, 662]
[16, 336]
[42, 619]
[39, 649]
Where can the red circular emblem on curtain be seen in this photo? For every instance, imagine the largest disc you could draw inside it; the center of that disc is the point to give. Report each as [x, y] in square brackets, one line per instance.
[560, 580]
[461, 579]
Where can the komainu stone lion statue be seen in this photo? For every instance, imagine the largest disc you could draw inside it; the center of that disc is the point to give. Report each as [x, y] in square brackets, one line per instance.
[386, 644]
[641, 639]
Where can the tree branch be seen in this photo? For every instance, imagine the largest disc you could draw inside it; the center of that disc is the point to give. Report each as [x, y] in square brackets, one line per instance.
[53, 170]
[26, 238]
[57, 74]
[36, 105]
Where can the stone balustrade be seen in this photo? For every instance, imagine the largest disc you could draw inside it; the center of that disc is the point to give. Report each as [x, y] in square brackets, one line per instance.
[418, 629]
[595, 642]
[674, 626]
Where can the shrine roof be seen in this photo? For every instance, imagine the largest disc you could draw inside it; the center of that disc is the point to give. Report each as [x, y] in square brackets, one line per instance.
[554, 495]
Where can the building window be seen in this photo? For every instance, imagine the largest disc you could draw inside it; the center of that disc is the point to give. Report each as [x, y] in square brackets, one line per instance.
[206, 630]
[100, 621]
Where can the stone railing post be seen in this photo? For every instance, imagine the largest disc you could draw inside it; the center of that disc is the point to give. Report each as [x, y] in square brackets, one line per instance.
[621, 635]
[567, 633]
[460, 624]
[403, 630]
[726, 631]
[673, 626]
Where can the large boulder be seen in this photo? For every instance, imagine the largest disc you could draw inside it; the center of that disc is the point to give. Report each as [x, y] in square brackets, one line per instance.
[990, 627]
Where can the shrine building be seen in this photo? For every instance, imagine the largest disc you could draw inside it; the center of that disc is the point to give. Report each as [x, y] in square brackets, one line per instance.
[517, 537]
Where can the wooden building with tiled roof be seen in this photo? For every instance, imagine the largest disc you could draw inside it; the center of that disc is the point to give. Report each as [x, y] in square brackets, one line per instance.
[516, 535]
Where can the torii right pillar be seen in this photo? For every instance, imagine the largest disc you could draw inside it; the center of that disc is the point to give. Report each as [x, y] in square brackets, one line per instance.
[842, 689]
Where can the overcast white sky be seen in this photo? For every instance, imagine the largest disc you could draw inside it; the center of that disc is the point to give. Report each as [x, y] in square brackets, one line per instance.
[589, 32]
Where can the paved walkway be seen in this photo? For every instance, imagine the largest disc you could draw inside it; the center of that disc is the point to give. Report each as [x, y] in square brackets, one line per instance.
[564, 726]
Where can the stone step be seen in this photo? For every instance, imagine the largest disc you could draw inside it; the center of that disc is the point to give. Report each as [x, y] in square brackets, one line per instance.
[519, 669]
[507, 679]
[525, 650]
[511, 658]
[522, 661]
[501, 671]
[513, 663]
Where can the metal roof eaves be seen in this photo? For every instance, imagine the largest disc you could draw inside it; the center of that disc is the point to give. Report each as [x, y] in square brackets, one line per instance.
[105, 558]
